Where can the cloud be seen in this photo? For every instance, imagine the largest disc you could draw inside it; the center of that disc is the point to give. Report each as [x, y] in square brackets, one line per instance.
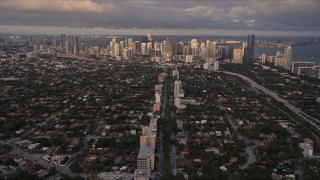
[278, 15]
[56, 6]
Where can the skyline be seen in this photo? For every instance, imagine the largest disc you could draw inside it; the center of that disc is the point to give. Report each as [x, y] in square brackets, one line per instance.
[215, 17]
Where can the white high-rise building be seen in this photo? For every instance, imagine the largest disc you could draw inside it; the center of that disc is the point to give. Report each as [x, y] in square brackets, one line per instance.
[287, 57]
[194, 43]
[263, 58]
[178, 92]
[143, 49]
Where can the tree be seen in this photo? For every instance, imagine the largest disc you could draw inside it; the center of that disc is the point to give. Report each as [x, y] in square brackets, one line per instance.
[52, 171]
[179, 176]
[75, 167]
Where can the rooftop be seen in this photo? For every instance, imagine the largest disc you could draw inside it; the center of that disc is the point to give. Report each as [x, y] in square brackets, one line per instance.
[145, 152]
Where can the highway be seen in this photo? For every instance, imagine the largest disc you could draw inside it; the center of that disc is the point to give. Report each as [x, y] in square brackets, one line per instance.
[311, 120]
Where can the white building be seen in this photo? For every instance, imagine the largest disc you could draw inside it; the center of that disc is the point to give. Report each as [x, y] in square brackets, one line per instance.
[263, 58]
[178, 92]
[32, 54]
[189, 58]
[287, 57]
[307, 149]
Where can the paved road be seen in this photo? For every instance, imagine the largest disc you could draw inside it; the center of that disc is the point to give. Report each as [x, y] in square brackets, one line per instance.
[311, 120]
[159, 169]
[251, 156]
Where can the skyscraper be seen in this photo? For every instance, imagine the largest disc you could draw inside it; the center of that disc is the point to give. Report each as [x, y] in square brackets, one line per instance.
[76, 45]
[237, 56]
[30, 41]
[249, 51]
[287, 57]
[62, 40]
[149, 35]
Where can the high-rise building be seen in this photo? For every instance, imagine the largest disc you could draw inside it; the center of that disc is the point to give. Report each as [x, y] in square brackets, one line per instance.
[129, 41]
[116, 49]
[62, 40]
[76, 45]
[149, 35]
[68, 45]
[287, 57]
[178, 92]
[212, 46]
[237, 56]
[149, 48]
[143, 49]
[30, 41]
[263, 58]
[249, 51]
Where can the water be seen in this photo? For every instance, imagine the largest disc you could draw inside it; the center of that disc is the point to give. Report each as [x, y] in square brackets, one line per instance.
[299, 53]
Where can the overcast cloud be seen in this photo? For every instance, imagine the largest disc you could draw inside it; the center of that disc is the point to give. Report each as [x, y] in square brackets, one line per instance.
[250, 15]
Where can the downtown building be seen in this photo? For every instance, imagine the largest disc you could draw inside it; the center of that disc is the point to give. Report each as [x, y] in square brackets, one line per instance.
[249, 50]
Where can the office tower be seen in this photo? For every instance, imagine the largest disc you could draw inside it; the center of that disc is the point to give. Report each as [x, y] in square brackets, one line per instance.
[144, 39]
[249, 51]
[121, 46]
[166, 48]
[287, 57]
[149, 48]
[223, 51]
[237, 56]
[244, 47]
[177, 49]
[133, 45]
[40, 40]
[187, 51]
[62, 40]
[116, 49]
[212, 46]
[76, 45]
[30, 41]
[54, 42]
[129, 42]
[65, 44]
[125, 42]
[157, 53]
[138, 46]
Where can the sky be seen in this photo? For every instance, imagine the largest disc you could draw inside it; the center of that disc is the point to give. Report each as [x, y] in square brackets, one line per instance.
[163, 17]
